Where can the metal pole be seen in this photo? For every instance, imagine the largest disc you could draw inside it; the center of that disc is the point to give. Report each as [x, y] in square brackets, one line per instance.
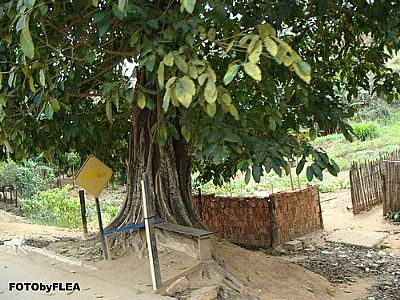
[104, 245]
[150, 233]
[83, 212]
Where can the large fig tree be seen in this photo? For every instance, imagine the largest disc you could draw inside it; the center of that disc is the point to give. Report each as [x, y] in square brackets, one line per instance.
[165, 84]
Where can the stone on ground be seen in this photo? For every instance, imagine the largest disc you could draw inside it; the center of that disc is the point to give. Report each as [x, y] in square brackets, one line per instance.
[293, 245]
[364, 238]
[178, 286]
[206, 293]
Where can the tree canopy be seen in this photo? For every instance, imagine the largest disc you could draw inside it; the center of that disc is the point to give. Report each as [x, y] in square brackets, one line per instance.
[237, 80]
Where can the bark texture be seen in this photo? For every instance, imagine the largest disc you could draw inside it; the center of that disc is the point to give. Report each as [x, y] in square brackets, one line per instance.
[169, 170]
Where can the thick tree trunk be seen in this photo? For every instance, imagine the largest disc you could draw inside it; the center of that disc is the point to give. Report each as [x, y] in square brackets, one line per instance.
[169, 170]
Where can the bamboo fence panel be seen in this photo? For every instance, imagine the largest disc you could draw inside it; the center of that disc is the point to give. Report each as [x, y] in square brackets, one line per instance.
[375, 182]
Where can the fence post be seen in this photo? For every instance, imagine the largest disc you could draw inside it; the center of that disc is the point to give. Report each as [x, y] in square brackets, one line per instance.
[150, 233]
[384, 187]
[274, 234]
[83, 212]
[320, 209]
[104, 244]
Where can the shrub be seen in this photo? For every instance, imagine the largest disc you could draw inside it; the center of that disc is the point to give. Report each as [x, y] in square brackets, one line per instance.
[28, 178]
[364, 131]
[394, 215]
[53, 207]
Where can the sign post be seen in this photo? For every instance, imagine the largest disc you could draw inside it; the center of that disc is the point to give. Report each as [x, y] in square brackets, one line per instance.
[150, 234]
[104, 244]
[93, 177]
[83, 212]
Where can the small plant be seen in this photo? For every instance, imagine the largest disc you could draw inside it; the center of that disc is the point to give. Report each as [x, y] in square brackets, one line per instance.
[28, 178]
[394, 215]
[73, 160]
[364, 131]
[53, 207]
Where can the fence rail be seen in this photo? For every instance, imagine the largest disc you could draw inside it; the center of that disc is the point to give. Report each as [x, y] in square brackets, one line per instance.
[376, 182]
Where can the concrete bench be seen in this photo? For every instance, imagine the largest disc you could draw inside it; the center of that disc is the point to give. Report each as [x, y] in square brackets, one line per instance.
[203, 237]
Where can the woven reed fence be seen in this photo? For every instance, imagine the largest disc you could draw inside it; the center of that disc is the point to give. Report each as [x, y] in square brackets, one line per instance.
[370, 182]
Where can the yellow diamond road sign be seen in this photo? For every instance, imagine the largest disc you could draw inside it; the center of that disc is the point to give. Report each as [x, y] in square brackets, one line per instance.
[93, 175]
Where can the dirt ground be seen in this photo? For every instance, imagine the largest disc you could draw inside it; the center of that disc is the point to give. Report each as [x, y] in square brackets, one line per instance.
[254, 273]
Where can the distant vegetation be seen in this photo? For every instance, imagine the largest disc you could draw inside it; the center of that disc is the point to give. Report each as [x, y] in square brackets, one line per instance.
[376, 132]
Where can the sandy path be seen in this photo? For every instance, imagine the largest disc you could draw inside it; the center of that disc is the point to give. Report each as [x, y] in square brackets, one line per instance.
[37, 268]
[12, 226]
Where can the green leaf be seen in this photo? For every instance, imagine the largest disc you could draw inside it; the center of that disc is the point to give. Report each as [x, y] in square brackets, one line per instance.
[122, 5]
[189, 5]
[211, 34]
[256, 170]
[141, 100]
[202, 78]
[317, 171]
[174, 132]
[55, 104]
[303, 70]
[181, 63]
[247, 177]
[265, 30]
[95, 3]
[42, 78]
[226, 99]
[163, 135]
[21, 23]
[166, 100]
[184, 97]
[210, 91]
[252, 70]
[244, 39]
[233, 111]
[230, 74]
[188, 85]
[231, 44]
[109, 110]
[169, 59]
[134, 38]
[254, 57]
[272, 124]
[211, 109]
[271, 46]
[193, 72]
[304, 67]
[309, 173]
[186, 133]
[29, 3]
[99, 16]
[252, 44]
[150, 62]
[90, 57]
[313, 134]
[31, 84]
[26, 41]
[300, 166]
[170, 82]
[49, 112]
[160, 75]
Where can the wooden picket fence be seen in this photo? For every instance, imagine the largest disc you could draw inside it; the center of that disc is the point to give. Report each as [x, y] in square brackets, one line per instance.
[376, 182]
[391, 201]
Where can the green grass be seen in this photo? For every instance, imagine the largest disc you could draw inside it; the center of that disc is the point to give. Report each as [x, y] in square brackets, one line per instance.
[343, 152]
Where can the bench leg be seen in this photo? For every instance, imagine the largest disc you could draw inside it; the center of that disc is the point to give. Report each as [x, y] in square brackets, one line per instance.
[205, 249]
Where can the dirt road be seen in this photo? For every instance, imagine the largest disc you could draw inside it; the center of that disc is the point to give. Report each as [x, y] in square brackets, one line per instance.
[37, 268]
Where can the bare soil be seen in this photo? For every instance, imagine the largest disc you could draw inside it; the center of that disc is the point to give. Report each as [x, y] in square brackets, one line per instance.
[323, 271]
